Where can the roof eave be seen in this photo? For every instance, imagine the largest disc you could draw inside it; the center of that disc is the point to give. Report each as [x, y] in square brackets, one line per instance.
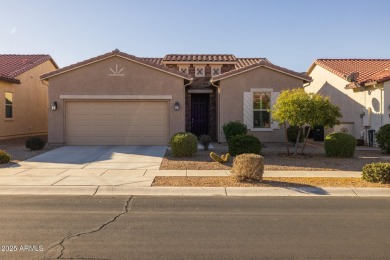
[9, 80]
[252, 67]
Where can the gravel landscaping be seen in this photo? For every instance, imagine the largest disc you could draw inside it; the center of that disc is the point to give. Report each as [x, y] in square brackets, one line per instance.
[16, 148]
[267, 182]
[276, 159]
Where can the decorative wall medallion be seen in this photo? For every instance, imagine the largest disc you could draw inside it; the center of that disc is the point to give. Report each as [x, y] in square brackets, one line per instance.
[116, 72]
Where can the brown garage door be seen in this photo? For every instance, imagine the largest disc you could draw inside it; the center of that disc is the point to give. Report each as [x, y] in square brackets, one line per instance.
[116, 123]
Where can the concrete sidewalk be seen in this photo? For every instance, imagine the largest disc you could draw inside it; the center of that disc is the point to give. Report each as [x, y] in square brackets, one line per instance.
[138, 182]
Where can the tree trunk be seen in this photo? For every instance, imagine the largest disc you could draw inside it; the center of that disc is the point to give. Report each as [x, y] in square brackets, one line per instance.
[304, 142]
[285, 135]
[297, 141]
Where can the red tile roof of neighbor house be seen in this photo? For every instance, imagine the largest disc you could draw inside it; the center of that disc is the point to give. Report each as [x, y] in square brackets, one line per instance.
[12, 65]
[381, 76]
[262, 63]
[146, 62]
[366, 68]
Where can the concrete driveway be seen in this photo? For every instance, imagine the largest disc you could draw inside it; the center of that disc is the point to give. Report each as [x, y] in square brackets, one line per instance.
[98, 157]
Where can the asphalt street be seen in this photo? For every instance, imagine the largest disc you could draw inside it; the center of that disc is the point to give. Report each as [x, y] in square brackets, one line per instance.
[109, 227]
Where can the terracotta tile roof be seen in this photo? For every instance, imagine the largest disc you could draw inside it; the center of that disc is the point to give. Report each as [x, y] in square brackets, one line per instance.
[381, 76]
[12, 65]
[200, 58]
[154, 60]
[243, 62]
[344, 67]
[262, 63]
[120, 54]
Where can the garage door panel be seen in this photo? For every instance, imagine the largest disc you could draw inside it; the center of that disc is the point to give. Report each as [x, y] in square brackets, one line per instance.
[116, 123]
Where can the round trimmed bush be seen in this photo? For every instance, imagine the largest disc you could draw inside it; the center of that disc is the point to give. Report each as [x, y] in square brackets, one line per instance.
[4, 157]
[340, 145]
[248, 167]
[376, 172]
[184, 144]
[240, 144]
[383, 138]
[292, 133]
[35, 143]
[234, 128]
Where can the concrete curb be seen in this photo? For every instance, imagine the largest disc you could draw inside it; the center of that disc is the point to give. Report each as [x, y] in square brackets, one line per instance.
[194, 191]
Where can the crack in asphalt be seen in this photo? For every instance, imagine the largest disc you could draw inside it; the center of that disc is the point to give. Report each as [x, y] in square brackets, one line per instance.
[126, 209]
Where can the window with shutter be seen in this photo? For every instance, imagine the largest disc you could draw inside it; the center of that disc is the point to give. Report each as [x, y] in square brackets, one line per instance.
[257, 109]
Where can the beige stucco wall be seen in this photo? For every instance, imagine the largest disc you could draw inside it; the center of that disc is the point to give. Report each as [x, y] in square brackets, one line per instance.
[352, 104]
[231, 98]
[29, 104]
[386, 102]
[94, 79]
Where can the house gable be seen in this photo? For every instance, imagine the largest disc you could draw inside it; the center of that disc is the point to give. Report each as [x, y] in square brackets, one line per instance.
[117, 53]
[233, 92]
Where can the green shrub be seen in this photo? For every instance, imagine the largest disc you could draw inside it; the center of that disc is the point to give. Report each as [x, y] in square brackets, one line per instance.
[240, 144]
[376, 172]
[292, 133]
[234, 128]
[340, 145]
[35, 143]
[4, 157]
[184, 144]
[248, 167]
[383, 138]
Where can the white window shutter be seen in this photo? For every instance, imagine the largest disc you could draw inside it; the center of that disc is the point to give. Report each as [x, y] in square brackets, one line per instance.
[274, 96]
[248, 110]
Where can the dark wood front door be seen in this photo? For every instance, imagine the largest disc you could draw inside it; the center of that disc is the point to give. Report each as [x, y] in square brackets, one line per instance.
[199, 114]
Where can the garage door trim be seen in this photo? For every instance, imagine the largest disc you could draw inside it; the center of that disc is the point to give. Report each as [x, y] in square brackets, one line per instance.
[116, 97]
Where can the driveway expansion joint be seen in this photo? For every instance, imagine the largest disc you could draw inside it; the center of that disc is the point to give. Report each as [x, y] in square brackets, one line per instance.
[97, 188]
[126, 209]
[60, 180]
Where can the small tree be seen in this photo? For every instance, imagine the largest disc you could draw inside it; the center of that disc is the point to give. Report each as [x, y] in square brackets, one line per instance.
[296, 107]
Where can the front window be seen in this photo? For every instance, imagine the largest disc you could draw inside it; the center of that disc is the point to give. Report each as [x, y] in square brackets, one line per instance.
[261, 110]
[8, 105]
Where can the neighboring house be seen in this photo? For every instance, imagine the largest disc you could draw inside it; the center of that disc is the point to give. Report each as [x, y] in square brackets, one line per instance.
[117, 98]
[360, 87]
[25, 107]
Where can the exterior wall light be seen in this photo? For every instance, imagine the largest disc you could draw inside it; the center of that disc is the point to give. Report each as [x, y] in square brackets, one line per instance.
[54, 106]
[176, 106]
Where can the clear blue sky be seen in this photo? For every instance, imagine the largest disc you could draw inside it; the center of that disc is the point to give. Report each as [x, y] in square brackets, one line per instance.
[290, 33]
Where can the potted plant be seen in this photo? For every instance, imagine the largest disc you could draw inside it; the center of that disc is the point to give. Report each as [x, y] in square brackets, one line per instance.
[205, 141]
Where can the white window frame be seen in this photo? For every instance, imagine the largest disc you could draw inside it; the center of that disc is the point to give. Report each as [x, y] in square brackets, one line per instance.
[203, 71]
[213, 68]
[262, 109]
[186, 67]
[8, 105]
[249, 111]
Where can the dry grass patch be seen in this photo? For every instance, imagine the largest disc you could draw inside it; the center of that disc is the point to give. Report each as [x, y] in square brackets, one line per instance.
[267, 182]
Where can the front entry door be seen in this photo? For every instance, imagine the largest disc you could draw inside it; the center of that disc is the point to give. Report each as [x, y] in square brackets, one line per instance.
[199, 114]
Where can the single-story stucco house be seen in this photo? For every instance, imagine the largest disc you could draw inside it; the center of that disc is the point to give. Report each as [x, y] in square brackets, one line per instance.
[120, 99]
[24, 109]
[360, 87]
